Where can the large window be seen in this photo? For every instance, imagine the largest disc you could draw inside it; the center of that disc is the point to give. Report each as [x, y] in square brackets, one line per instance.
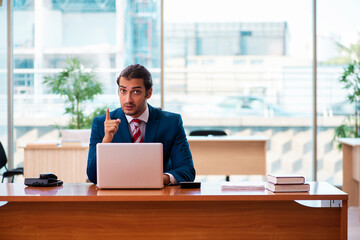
[338, 45]
[105, 35]
[3, 75]
[244, 67]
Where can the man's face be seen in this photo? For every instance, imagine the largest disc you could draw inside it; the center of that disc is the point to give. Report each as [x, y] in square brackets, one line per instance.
[133, 96]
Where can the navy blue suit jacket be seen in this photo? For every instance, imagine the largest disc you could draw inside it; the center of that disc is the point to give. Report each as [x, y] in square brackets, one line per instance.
[162, 127]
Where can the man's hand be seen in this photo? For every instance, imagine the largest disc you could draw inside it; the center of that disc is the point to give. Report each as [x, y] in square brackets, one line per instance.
[111, 127]
[166, 179]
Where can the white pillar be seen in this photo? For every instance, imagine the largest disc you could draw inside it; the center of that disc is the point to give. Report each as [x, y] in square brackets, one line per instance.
[120, 32]
[38, 46]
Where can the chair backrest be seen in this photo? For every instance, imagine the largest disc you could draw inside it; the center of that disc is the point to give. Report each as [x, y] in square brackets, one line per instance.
[208, 133]
[3, 158]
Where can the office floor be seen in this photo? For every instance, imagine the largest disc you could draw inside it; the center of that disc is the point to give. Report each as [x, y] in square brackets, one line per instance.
[354, 223]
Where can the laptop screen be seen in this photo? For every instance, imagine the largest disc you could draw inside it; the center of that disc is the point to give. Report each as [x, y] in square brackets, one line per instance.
[129, 165]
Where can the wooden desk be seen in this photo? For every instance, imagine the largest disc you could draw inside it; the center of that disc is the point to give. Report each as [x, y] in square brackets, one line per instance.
[80, 211]
[68, 163]
[229, 155]
[212, 156]
[351, 169]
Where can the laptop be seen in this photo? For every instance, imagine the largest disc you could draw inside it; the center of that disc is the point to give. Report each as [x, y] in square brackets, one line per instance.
[129, 165]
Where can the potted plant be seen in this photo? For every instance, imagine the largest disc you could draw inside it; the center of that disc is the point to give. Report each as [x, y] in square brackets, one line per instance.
[77, 86]
[351, 81]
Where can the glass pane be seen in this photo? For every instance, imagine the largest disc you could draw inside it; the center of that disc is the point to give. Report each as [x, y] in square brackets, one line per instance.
[246, 70]
[338, 45]
[105, 35]
[3, 75]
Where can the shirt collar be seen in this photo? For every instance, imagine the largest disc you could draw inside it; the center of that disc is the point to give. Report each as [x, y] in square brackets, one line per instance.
[143, 117]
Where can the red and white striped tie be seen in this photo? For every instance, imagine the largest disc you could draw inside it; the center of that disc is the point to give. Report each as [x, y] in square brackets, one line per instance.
[136, 133]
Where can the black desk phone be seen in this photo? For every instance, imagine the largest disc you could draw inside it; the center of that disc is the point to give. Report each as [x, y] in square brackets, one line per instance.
[45, 180]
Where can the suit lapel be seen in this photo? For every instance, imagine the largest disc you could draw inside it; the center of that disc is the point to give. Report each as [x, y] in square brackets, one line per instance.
[122, 134]
[152, 124]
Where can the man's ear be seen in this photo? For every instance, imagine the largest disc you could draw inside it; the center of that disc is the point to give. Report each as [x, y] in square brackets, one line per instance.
[149, 93]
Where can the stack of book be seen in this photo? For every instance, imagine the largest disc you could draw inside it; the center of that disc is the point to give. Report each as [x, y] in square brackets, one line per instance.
[286, 183]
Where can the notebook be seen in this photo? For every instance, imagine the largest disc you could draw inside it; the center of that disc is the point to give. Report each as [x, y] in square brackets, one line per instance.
[129, 165]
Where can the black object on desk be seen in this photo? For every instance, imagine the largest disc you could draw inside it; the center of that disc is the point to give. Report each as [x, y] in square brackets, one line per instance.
[45, 180]
[190, 184]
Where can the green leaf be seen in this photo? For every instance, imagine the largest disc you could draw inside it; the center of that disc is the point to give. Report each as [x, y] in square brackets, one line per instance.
[77, 87]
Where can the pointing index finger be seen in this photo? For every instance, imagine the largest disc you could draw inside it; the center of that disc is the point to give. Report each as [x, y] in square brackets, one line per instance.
[107, 114]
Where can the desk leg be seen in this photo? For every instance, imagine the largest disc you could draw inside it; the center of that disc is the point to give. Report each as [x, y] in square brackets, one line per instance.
[344, 220]
[350, 185]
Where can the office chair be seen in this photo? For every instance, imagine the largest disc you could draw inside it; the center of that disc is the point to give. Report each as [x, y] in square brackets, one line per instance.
[8, 173]
[207, 133]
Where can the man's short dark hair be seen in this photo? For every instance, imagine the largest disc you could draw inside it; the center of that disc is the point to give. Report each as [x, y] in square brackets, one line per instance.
[136, 71]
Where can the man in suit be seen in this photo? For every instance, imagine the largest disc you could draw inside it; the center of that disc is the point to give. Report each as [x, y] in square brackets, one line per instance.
[137, 121]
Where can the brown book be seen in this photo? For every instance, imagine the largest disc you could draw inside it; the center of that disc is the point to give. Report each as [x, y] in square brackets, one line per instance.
[287, 187]
[286, 179]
